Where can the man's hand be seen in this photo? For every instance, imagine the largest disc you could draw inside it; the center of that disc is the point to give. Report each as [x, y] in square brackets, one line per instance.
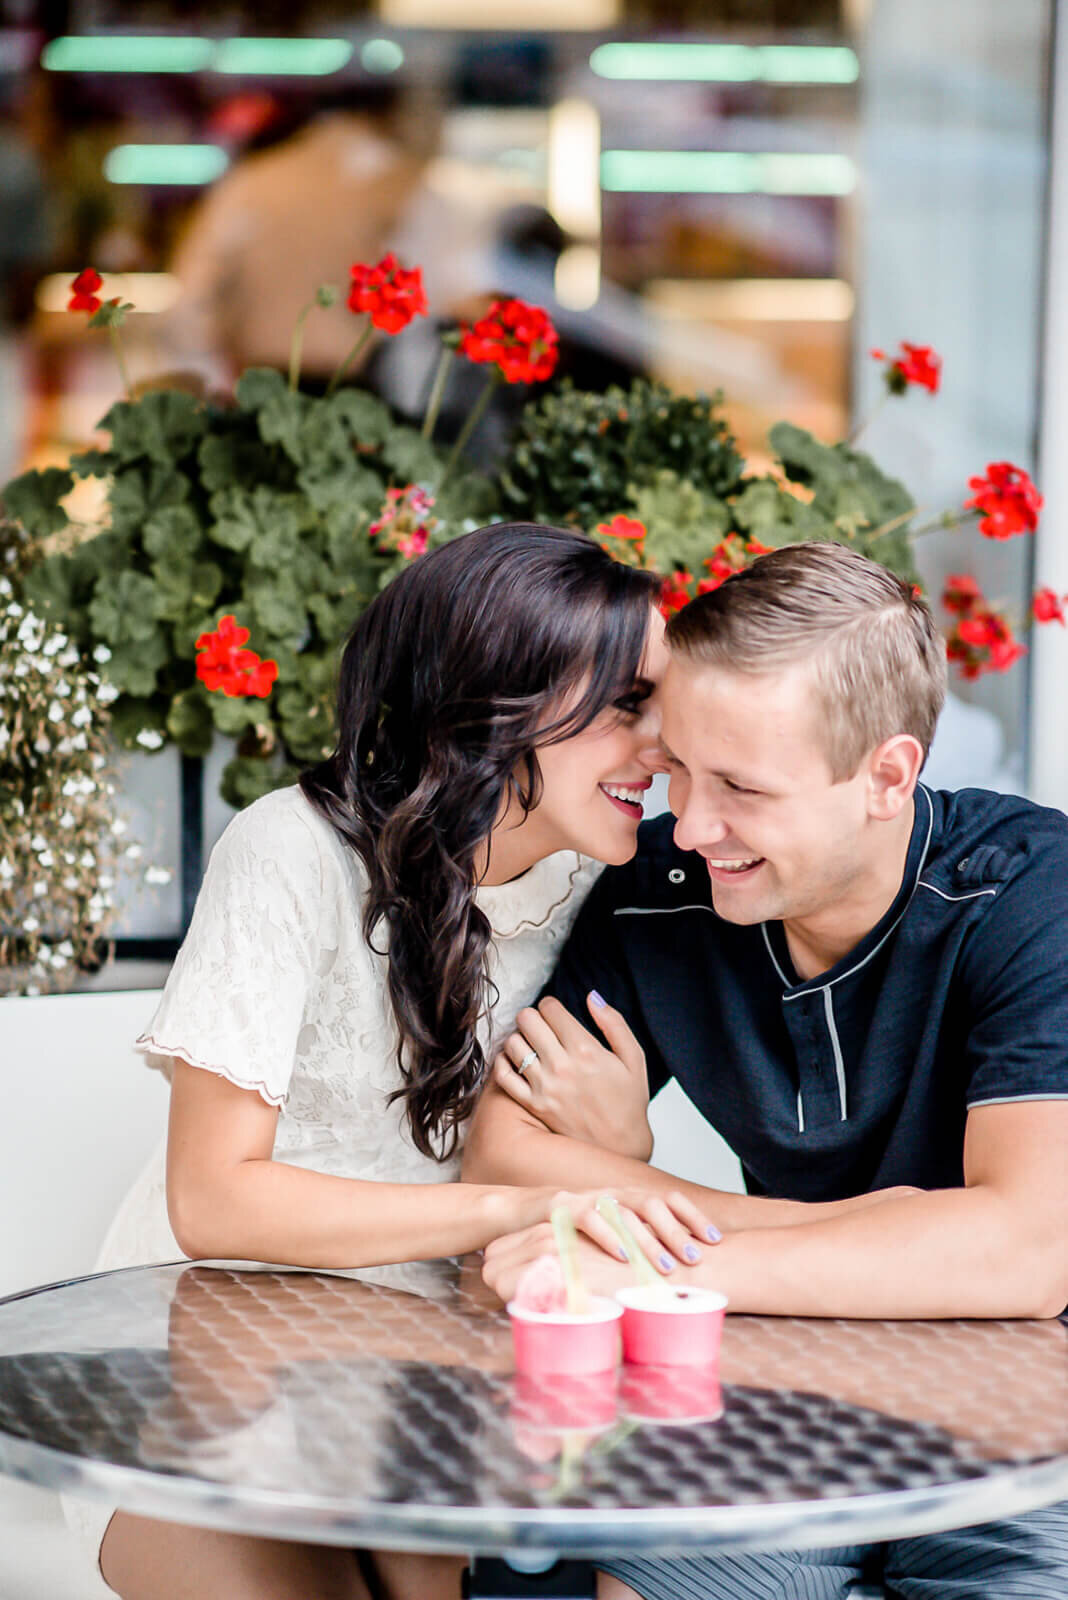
[505, 1259]
[573, 1084]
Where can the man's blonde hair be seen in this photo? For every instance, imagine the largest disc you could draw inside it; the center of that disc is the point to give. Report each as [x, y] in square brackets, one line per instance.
[878, 662]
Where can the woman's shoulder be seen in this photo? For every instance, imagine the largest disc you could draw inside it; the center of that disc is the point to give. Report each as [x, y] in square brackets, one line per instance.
[284, 828]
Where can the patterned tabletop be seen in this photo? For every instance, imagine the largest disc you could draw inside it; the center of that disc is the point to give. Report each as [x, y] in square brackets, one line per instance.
[383, 1408]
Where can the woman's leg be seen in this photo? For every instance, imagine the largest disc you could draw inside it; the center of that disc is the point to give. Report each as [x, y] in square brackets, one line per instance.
[142, 1559]
[406, 1576]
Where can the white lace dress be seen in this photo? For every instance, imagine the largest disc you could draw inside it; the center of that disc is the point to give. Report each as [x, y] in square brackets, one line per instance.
[275, 989]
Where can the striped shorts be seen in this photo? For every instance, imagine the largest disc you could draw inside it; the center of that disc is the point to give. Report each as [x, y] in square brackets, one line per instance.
[1023, 1559]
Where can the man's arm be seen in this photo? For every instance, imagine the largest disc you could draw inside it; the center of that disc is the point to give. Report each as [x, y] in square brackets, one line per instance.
[996, 1248]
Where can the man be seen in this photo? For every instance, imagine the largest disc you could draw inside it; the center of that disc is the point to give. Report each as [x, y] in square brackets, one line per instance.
[863, 984]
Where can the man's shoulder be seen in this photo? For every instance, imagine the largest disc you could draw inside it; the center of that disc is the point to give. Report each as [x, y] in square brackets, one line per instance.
[982, 839]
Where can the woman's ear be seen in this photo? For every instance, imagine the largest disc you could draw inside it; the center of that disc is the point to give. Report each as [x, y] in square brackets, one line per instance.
[893, 771]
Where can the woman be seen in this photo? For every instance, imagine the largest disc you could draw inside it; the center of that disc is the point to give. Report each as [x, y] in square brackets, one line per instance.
[359, 943]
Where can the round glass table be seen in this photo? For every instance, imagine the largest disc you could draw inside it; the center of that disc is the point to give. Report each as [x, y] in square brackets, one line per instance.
[382, 1409]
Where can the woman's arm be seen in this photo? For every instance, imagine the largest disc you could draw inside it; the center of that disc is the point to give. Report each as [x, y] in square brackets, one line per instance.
[228, 1199]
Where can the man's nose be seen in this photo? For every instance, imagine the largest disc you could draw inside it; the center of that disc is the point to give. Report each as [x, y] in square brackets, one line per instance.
[697, 824]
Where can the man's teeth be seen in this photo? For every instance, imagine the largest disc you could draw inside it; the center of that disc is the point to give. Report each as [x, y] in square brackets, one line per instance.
[733, 866]
[618, 792]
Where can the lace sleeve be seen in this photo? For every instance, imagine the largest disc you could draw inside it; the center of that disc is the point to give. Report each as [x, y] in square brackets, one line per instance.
[235, 999]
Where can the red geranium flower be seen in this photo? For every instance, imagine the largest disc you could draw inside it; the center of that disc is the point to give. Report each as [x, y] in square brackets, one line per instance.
[622, 527]
[983, 642]
[518, 339]
[223, 663]
[914, 363]
[730, 556]
[1047, 606]
[1006, 499]
[390, 295]
[674, 593]
[961, 593]
[83, 291]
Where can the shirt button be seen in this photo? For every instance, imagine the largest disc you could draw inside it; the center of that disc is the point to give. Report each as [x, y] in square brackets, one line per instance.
[962, 864]
[676, 875]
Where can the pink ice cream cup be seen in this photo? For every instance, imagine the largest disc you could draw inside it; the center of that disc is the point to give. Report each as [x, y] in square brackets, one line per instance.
[560, 1341]
[667, 1395]
[668, 1327]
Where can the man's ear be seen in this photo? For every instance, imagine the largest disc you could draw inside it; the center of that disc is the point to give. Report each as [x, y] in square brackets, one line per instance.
[893, 770]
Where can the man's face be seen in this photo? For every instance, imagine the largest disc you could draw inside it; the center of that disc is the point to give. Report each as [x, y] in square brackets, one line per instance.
[751, 787]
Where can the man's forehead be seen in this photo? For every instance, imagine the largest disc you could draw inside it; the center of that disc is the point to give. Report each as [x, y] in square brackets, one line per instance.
[786, 682]
[766, 721]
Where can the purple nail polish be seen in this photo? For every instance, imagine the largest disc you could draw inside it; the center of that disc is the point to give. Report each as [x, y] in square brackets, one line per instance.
[692, 1253]
[713, 1233]
[597, 1000]
[666, 1262]
[623, 1256]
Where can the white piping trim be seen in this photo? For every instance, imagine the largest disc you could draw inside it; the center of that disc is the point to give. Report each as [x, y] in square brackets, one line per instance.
[656, 911]
[1014, 1099]
[974, 895]
[875, 951]
[774, 959]
[839, 1064]
[800, 1113]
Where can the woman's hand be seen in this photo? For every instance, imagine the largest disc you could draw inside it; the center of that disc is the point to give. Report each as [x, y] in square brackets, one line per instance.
[573, 1084]
[505, 1259]
[669, 1229]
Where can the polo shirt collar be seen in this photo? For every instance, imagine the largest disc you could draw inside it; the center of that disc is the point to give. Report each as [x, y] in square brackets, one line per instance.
[923, 824]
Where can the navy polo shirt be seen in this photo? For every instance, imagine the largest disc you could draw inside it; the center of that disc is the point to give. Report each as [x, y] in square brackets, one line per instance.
[862, 1077]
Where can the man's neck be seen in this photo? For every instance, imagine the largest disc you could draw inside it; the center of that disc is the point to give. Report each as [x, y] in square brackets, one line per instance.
[819, 942]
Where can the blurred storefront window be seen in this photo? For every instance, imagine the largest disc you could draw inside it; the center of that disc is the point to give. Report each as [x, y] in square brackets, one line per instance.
[746, 196]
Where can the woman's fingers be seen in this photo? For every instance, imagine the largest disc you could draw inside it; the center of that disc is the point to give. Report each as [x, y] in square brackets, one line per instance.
[512, 1082]
[616, 1029]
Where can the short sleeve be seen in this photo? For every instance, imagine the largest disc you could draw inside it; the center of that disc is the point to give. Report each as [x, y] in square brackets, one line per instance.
[236, 997]
[1016, 976]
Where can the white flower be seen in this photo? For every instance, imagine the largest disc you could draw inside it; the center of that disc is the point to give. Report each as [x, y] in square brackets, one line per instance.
[67, 820]
[157, 875]
[106, 881]
[30, 925]
[55, 644]
[63, 687]
[65, 948]
[81, 718]
[72, 786]
[119, 825]
[38, 842]
[87, 859]
[55, 712]
[42, 745]
[79, 742]
[7, 871]
[101, 653]
[40, 889]
[71, 882]
[99, 761]
[150, 739]
[22, 668]
[59, 961]
[133, 852]
[107, 693]
[46, 859]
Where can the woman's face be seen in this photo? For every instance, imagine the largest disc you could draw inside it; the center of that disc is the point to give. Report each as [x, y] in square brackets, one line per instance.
[594, 782]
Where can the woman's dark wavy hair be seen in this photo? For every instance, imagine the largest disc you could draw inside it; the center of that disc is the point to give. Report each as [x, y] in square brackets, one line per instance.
[450, 678]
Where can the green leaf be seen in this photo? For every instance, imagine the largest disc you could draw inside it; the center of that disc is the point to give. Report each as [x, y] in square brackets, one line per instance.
[184, 585]
[279, 410]
[236, 460]
[412, 458]
[123, 609]
[242, 517]
[683, 524]
[232, 714]
[34, 498]
[365, 418]
[93, 463]
[276, 603]
[189, 721]
[137, 493]
[248, 778]
[769, 513]
[162, 426]
[134, 665]
[173, 530]
[329, 482]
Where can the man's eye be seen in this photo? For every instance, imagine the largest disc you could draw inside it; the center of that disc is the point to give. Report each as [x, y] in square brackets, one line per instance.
[736, 788]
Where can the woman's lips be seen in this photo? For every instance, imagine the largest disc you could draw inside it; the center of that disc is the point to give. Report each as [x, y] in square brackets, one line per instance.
[624, 797]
